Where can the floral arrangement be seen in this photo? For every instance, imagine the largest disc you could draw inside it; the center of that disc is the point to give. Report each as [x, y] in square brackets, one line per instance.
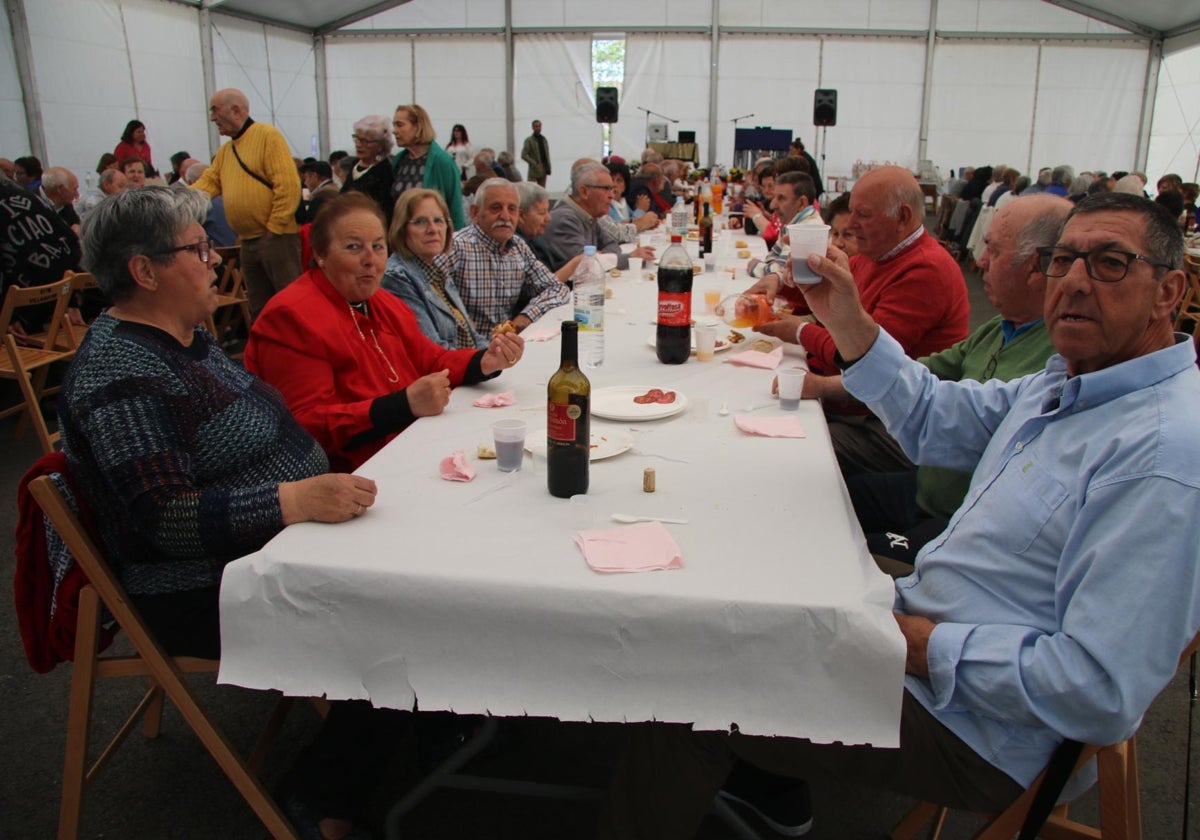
[697, 175]
[736, 175]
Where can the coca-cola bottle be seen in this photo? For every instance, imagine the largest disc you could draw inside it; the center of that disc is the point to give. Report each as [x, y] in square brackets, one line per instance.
[674, 335]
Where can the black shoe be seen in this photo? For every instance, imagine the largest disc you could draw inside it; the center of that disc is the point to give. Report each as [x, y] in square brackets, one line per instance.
[784, 804]
[305, 819]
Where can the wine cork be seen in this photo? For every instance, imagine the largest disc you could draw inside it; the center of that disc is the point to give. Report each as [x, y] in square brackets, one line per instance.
[648, 480]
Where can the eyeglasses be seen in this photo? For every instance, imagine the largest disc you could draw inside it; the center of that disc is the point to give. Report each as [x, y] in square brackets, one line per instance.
[424, 222]
[359, 139]
[605, 187]
[203, 250]
[1105, 265]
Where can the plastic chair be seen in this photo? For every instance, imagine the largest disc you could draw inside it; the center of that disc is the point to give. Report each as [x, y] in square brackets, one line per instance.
[165, 674]
[29, 363]
[1120, 804]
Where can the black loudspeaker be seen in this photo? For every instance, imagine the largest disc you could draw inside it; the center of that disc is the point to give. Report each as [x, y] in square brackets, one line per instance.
[687, 137]
[606, 104]
[825, 107]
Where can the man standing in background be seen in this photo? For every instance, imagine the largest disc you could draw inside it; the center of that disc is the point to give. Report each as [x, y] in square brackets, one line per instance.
[536, 153]
[255, 173]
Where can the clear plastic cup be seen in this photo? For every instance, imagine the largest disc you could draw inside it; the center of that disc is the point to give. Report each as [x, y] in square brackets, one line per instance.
[509, 439]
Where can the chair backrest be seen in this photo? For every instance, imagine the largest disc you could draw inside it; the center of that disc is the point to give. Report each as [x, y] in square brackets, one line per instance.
[82, 281]
[20, 297]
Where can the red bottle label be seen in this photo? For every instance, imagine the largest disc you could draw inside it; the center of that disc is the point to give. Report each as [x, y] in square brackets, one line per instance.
[561, 421]
[675, 309]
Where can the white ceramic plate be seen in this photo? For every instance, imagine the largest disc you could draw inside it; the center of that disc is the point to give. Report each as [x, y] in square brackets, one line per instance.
[606, 442]
[617, 403]
[723, 342]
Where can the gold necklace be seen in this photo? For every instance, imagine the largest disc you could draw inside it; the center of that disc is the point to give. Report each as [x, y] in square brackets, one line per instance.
[395, 377]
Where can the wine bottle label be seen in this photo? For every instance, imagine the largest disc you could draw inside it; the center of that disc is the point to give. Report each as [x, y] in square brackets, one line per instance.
[675, 309]
[562, 421]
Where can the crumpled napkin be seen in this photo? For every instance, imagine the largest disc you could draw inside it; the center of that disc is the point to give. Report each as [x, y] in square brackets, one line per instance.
[644, 547]
[758, 359]
[496, 400]
[541, 332]
[788, 427]
[454, 467]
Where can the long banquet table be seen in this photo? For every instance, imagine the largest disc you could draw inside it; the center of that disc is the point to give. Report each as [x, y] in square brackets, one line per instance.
[472, 596]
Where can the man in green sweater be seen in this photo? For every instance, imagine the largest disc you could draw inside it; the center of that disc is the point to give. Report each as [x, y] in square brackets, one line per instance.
[902, 511]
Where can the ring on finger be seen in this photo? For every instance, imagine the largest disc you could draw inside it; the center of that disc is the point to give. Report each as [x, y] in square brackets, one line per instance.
[361, 510]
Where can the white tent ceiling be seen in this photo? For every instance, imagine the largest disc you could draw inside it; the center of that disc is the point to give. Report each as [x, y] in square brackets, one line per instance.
[1160, 19]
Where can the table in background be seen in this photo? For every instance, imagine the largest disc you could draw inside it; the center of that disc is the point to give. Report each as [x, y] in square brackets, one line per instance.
[473, 597]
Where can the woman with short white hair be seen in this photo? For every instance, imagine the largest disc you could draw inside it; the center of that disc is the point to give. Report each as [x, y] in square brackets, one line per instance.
[372, 172]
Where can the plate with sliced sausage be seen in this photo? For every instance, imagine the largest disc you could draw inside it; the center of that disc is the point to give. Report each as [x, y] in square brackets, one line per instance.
[632, 403]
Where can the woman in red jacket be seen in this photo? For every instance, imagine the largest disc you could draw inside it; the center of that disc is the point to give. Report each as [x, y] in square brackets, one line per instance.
[353, 365]
[133, 144]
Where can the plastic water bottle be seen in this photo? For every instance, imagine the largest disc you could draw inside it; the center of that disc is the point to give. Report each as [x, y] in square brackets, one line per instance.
[679, 217]
[588, 283]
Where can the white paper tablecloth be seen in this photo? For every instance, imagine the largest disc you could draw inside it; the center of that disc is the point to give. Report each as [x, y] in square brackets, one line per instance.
[472, 596]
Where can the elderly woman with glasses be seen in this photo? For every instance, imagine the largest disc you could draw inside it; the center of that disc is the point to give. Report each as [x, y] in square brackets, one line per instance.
[353, 365]
[421, 162]
[184, 459]
[419, 271]
[372, 172]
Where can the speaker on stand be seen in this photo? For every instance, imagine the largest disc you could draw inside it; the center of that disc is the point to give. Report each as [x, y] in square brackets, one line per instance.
[824, 115]
[607, 105]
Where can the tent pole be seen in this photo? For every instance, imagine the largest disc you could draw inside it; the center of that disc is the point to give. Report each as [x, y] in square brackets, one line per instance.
[509, 81]
[322, 81]
[714, 50]
[208, 67]
[23, 54]
[1154, 58]
[926, 85]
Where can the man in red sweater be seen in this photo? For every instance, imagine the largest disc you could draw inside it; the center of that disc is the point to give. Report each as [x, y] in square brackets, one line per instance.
[908, 283]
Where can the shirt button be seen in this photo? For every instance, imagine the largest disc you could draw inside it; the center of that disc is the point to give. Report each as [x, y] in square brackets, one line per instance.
[1019, 446]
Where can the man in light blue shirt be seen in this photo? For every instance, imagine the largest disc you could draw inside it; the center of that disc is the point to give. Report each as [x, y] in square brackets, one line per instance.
[1057, 601]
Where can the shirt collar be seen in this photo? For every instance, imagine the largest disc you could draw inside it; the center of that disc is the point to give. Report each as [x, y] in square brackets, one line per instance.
[245, 127]
[803, 214]
[904, 244]
[1011, 330]
[1088, 390]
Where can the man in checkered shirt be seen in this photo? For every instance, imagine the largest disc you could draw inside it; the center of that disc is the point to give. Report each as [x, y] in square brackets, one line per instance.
[498, 275]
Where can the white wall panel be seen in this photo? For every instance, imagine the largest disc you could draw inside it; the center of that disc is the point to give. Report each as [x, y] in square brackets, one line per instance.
[14, 133]
[461, 80]
[668, 75]
[771, 77]
[1014, 16]
[365, 77]
[982, 107]
[554, 85]
[1089, 101]
[879, 113]
[443, 14]
[1175, 146]
[819, 14]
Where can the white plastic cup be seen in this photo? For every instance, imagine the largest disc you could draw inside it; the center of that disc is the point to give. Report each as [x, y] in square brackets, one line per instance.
[791, 386]
[509, 439]
[804, 240]
[706, 342]
[635, 267]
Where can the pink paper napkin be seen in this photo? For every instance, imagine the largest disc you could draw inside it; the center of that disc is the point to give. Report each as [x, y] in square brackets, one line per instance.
[541, 332]
[631, 548]
[758, 359]
[787, 427]
[454, 467]
[496, 400]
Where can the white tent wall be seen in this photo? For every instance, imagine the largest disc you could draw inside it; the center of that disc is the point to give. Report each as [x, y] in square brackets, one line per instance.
[819, 14]
[274, 67]
[442, 14]
[611, 15]
[969, 93]
[667, 74]
[100, 64]
[461, 80]
[14, 132]
[1175, 144]
[366, 76]
[553, 83]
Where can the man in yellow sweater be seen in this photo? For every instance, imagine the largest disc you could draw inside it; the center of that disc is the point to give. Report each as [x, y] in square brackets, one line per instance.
[255, 173]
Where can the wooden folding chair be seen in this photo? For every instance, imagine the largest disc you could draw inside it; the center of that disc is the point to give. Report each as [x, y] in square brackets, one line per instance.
[233, 305]
[1189, 307]
[1120, 804]
[165, 674]
[29, 363]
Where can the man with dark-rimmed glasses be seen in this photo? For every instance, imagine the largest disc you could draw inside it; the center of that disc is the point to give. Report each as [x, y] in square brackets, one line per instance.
[1056, 603]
